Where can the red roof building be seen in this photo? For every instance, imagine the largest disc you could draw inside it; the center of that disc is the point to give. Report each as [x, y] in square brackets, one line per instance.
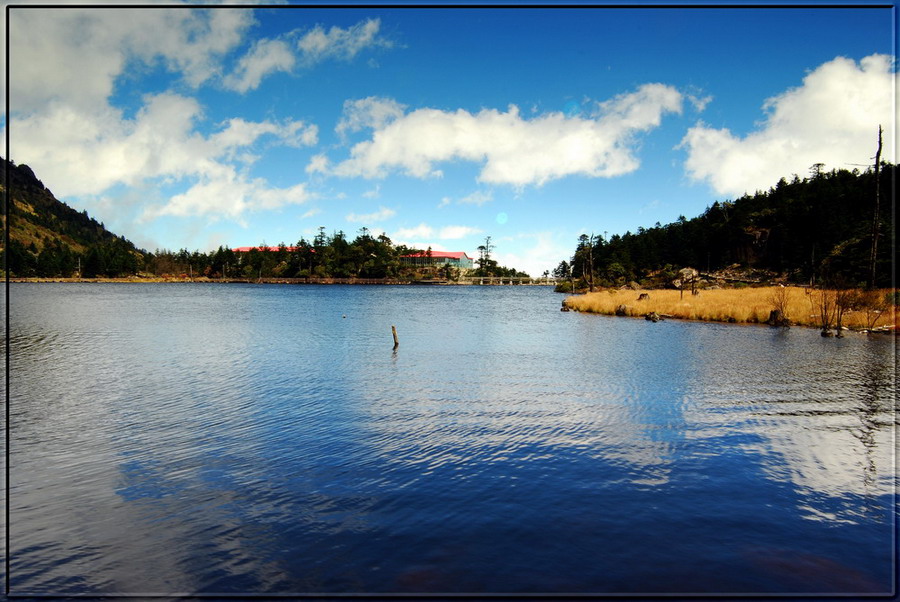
[272, 249]
[457, 259]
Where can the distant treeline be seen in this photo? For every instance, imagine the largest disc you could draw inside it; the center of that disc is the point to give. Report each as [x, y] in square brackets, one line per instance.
[325, 256]
[817, 229]
[48, 239]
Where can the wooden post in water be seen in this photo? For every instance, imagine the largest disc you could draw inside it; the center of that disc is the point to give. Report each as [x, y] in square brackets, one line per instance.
[394, 332]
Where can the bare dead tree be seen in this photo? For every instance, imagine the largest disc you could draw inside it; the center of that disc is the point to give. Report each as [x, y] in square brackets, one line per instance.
[874, 306]
[875, 216]
[844, 300]
[825, 301]
[780, 300]
[591, 261]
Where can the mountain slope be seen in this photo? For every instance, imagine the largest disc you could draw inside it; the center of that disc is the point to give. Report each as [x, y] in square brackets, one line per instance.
[49, 238]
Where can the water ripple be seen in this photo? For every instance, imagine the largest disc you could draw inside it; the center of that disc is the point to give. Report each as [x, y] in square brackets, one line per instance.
[251, 439]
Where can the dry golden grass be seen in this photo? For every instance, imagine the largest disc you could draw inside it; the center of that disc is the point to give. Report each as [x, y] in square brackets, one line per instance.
[751, 305]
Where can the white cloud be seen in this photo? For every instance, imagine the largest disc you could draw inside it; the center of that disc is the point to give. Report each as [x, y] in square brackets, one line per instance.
[423, 232]
[371, 112]
[297, 133]
[64, 65]
[240, 133]
[270, 55]
[479, 197]
[455, 232]
[514, 150]
[79, 152]
[422, 244]
[311, 213]
[382, 214]
[77, 53]
[317, 164]
[338, 43]
[832, 118]
[229, 195]
[699, 102]
[374, 193]
[87, 152]
[266, 56]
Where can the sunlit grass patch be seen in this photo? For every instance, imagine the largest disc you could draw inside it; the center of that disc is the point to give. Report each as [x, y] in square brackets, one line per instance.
[749, 305]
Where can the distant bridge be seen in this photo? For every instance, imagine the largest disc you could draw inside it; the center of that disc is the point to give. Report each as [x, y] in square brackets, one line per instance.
[507, 280]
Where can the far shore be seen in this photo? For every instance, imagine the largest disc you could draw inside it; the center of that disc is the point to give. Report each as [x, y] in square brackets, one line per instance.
[134, 279]
[751, 305]
[497, 281]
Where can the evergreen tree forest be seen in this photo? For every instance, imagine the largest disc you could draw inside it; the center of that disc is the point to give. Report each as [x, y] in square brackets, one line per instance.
[816, 230]
[325, 256]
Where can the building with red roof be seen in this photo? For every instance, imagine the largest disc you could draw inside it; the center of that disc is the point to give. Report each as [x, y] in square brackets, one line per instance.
[456, 259]
[272, 249]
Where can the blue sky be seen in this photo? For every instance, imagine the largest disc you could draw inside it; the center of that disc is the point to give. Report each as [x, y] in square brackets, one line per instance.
[195, 127]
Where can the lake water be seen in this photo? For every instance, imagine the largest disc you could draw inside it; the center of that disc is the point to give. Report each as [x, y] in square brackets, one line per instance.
[202, 438]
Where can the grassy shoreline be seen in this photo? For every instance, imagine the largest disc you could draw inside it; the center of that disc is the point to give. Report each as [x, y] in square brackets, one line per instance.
[739, 305]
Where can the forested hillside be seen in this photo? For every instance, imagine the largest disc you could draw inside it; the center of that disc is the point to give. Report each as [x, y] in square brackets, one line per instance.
[817, 229]
[47, 237]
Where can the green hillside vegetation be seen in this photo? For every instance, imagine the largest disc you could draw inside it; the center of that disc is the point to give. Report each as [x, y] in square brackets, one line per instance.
[814, 230]
[49, 238]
